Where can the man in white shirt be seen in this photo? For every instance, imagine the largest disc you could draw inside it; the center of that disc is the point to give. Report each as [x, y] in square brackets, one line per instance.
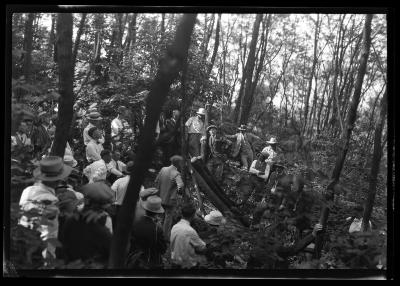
[185, 242]
[41, 198]
[119, 187]
[94, 119]
[117, 124]
[115, 167]
[97, 171]
[94, 147]
[257, 179]
[21, 138]
[194, 130]
[271, 153]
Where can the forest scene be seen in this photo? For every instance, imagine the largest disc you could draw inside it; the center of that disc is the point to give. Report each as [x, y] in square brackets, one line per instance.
[262, 138]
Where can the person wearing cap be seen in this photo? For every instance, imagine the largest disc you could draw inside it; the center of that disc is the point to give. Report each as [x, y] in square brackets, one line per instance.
[194, 130]
[41, 198]
[270, 152]
[97, 171]
[185, 241]
[147, 237]
[116, 168]
[243, 146]
[94, 147]
[169, 183]
[94, 119]
[87, 234]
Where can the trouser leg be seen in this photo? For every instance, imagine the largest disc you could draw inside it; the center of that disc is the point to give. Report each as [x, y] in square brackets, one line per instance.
[194, 144]
[167, 225]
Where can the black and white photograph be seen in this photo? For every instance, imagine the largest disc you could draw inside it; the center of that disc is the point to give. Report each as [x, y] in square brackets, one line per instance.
[197, 142]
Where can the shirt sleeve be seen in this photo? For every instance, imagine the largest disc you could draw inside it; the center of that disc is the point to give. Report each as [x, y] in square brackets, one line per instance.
[189, 122]
[253, 169]
[196, 241]
[114, 128]
[91, 153]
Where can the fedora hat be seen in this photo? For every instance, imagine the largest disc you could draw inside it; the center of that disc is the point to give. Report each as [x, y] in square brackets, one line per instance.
[70, 161]
[215, 218]
[201, 111]
[94, 115]
[211, 126]
[272, 141]
[98, 192]
[52, 168]
[242, 127]
[153, 204]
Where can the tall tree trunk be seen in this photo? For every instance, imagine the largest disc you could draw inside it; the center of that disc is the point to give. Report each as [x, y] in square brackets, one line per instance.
[78, 39]
[247, 96]
[376, 159]
[52, 35]
[66, 100]
[314, 64]
[170, 66]
[216, 45]
[352, 115]
[28, 39]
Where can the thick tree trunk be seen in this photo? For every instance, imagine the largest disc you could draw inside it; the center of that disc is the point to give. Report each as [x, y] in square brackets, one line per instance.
[248, 74]
[78, 39]
[169, 68]
[66, 100]
[352, 115]
[28, 39]
[376, 159]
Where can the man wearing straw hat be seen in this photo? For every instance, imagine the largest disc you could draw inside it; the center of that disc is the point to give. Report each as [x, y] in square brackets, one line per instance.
[94, 119]
[194, 130]
[243, 146]
[148, 237]
[41, 197]
[271, 154]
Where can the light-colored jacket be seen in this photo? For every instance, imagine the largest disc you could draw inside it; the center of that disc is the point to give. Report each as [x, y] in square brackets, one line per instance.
[242, 141]
[168, 182]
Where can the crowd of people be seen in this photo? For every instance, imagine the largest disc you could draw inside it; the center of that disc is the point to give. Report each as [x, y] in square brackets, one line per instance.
[82, 216]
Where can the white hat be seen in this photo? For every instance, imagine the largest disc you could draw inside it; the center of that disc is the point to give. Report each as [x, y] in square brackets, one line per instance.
[272, 141]
[215, 218]
[201, 111]
[153, 204]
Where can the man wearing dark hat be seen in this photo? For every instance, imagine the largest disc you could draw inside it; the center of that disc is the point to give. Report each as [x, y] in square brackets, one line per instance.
[94, 119]
[243, 146]
[147, 237]
[194, 130]
[169, 182]
[41, 197]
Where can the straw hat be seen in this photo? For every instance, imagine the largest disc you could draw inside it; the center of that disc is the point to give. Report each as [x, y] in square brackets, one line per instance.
[242, 127]
[70, 161]
[153, 204]
[272, 141]
[211, 127]
[201, 111]
[52, 168]
[94, 115]
[215, 218]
